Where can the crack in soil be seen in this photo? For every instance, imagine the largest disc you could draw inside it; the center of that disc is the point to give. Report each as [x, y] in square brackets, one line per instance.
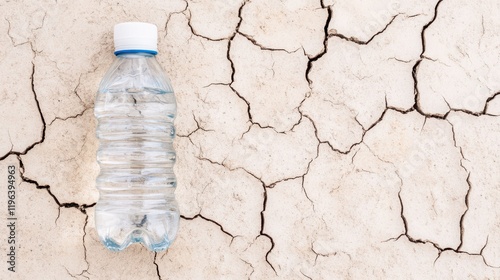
[209, 220]
[156, 265]
[85, 247]
[488, 102]
[70, 117]
[469, 184]
[434, 244]
[40, 113]
[360, 42]
[325, 45]
[81, 207]
[264, 204]
[416, 104]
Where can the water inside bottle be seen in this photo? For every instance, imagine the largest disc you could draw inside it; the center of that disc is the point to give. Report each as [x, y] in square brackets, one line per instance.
[136, 157]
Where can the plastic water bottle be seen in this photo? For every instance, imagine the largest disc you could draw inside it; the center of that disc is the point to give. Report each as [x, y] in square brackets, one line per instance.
[135, 108]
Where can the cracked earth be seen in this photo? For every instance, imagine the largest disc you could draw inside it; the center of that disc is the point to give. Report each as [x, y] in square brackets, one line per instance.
[315, 139]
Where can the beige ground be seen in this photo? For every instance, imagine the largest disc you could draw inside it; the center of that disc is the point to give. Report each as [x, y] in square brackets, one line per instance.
[347, 139]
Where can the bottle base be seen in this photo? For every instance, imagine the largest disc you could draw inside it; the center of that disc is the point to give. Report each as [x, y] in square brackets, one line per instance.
[114, 246]
[154, 230]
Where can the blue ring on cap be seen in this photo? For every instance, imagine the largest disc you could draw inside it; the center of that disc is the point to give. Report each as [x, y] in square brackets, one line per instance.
[136, 51]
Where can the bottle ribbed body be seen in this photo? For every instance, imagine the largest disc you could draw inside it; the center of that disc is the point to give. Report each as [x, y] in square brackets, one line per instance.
[135, 109]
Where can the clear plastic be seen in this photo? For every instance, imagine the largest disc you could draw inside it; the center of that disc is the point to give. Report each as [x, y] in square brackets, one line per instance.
[135, 108]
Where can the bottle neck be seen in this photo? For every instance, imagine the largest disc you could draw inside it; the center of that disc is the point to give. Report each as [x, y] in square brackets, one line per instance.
[135, 53]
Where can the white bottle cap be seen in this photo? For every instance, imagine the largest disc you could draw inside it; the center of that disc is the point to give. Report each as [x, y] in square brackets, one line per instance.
[136, 36]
